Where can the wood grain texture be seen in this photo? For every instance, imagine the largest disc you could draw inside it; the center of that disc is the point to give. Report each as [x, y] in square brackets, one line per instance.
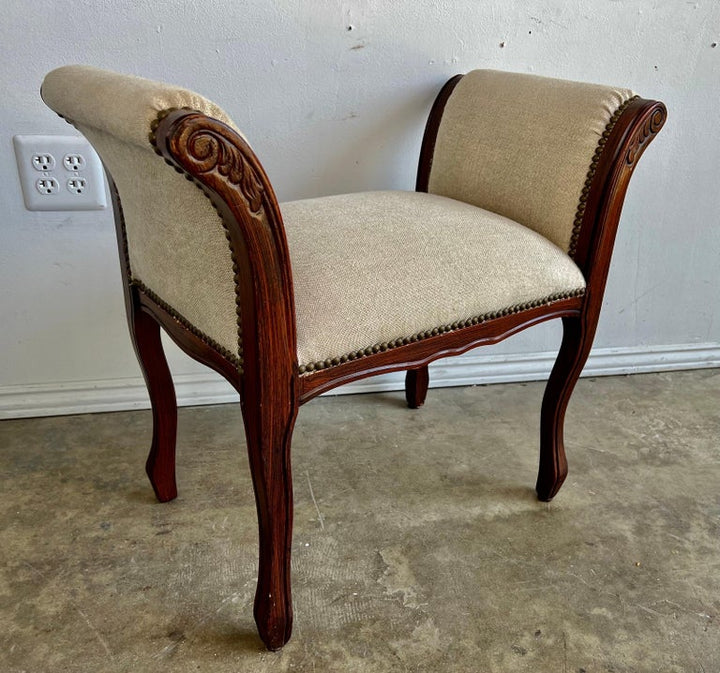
[220, 162]
[192, 344]
[631, 135]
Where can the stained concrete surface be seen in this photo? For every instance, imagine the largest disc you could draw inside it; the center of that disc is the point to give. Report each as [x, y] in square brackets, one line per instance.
[418, 545]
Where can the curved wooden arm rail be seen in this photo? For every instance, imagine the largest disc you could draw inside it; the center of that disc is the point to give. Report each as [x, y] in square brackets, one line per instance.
[264, 367]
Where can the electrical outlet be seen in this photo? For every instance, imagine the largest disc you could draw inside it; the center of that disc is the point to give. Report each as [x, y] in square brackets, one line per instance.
[47, 185]
[76, 185]
[74, 162]
[59, 173]
[43, 162]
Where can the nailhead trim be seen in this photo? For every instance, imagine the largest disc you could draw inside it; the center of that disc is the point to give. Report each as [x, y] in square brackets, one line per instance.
[237, 360]
[384, 346]
[188, 325]
[231, 357]
[435, 331]
[575, 235]
[125, 251]
[580, 213]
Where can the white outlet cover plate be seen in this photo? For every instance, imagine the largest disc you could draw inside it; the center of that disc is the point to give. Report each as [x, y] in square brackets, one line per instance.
[91, 197]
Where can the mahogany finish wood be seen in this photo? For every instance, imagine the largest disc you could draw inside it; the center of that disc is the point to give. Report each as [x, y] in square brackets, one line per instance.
[228, 171]
[145, 336]
[564, 375]
[160, 465]
[630, 137]
[427, 149]
[424, 352]
[416, 386]
[271, 389]
[192, 344]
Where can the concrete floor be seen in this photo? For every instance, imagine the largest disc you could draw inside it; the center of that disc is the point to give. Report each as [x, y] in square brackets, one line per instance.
[424, 550]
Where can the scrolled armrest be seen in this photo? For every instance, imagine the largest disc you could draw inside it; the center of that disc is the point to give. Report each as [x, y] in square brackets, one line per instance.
[221, 163]
[636, 127]
[521, 146]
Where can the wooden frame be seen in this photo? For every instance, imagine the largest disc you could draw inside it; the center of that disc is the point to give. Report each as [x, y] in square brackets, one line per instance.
[268, 379]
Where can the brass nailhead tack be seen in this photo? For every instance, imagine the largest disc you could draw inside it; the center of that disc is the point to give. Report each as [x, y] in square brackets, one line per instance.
[314, 366]
[237, 360]
[187, 324]
[602, 141]
[403, 341]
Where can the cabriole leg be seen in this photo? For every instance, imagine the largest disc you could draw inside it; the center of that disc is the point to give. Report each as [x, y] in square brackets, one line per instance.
[573, 353]
[269, 432]
[416, 386]
[160, 466]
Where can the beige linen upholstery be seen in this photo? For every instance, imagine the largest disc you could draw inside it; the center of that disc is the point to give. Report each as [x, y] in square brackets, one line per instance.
[521, 146]
[372, 267]
[368, 268]
[176, 241]
[122, 105]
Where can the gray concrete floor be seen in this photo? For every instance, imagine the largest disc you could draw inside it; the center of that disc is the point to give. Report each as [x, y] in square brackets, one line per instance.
[424, 548]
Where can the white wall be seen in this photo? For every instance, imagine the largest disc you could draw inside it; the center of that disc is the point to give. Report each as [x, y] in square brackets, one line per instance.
[331, 109]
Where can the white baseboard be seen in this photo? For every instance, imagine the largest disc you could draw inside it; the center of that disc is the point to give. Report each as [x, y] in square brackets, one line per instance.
[81, 397]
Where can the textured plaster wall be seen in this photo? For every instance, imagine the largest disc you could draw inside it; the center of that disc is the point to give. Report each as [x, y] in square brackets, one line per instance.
[333, 96]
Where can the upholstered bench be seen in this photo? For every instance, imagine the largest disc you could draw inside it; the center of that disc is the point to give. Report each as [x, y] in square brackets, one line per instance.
[520, 185]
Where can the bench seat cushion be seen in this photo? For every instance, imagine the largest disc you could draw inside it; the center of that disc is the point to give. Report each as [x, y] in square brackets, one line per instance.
[374, 267]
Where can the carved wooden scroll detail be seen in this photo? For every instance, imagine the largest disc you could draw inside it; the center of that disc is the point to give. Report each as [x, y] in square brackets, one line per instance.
[208, 149]
[650, 127]
[211, 152]
[218, 160]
